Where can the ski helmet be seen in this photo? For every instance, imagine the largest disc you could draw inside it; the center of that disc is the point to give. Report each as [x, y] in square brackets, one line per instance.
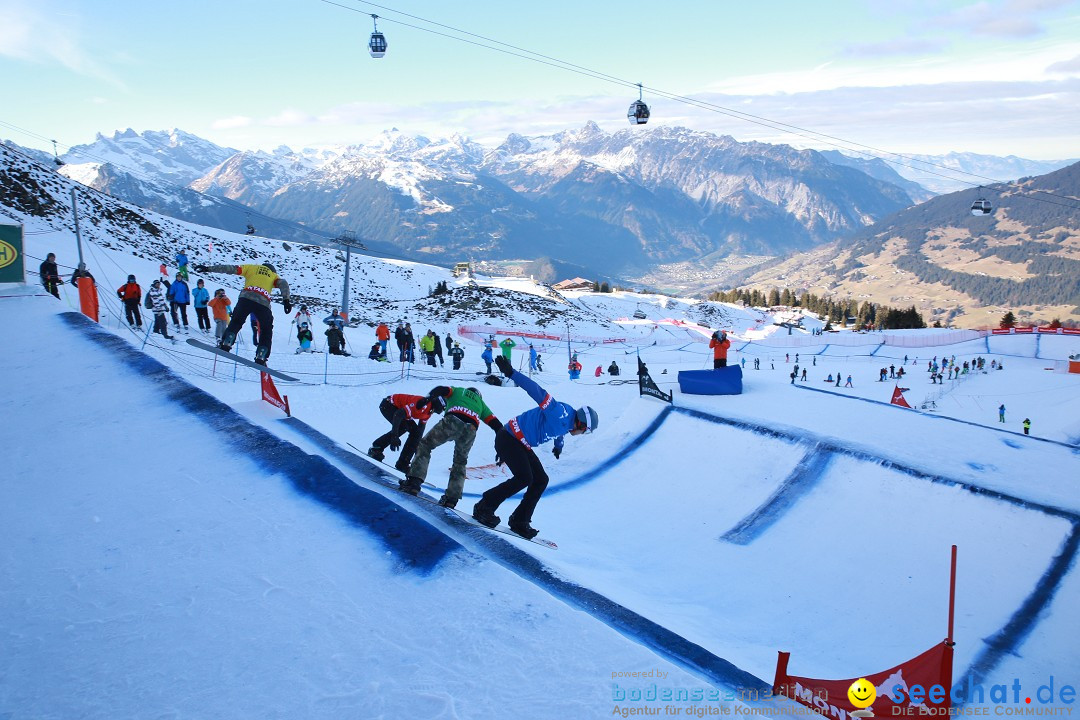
[270, 267]
[438, 404]
[472, 389]
[586, 418]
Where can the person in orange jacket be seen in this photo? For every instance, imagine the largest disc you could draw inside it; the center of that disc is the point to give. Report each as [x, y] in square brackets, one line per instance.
[382, 334]
[131, 294]
[221, 306]
[719, 344]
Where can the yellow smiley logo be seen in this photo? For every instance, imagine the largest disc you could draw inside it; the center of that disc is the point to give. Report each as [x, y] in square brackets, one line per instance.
[862, 693]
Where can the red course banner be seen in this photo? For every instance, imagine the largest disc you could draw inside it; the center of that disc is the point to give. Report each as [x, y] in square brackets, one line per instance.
[923, 682]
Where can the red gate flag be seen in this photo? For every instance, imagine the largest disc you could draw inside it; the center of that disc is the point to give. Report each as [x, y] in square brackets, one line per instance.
[898, 397]
[924, 682]
[270, 394]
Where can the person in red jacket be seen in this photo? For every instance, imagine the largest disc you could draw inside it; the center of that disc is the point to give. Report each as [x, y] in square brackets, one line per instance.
[719, 344]
[382, 334]
[131, 294]
[405, 417]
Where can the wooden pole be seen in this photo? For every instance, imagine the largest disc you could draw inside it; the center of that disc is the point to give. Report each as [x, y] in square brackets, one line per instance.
[952, 598]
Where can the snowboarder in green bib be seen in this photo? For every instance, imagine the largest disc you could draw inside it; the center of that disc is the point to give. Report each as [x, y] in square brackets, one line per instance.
[465, 410]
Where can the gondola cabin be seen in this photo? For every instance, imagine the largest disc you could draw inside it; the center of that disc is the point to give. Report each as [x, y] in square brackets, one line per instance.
[377, 45]
[981, 207]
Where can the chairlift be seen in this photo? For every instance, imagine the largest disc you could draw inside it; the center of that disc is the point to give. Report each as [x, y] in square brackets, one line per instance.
[638, 114]
[981, 207]
[56, 155]
[377, 44]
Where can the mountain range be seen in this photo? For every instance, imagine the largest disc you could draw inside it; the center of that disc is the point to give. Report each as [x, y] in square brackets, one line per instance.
[666, 208]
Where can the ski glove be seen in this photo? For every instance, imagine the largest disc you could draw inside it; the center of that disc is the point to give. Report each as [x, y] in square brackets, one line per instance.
[395, 443]
[288, 306]
[504, 366]
[557, 452]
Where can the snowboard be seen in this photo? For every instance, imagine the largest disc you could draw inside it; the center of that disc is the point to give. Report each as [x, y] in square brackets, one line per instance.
[502, 528]
[243, 361]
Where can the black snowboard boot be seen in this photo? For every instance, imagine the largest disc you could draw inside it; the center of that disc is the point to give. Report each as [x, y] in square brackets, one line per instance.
[375, 453]
[485, 515]
[447, 502]
[522, 528]
[227, 341]
[411, 485]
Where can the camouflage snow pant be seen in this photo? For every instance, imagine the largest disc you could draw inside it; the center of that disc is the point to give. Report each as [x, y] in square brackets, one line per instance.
[463, 433]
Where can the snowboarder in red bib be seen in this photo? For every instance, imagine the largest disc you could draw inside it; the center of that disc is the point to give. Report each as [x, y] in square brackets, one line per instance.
[515, 443]
[259, 282]
[406, 414]
[465, 410]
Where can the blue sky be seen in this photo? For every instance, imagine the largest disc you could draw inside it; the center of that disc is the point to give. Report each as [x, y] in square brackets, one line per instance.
[997, 77]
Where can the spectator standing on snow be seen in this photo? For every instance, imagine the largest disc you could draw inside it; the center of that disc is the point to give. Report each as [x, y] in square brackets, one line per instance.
[399, 339]
[200, 298]
[465, 410]
[457, 354]
[155, 299]
[382, 335]
[50, 275]
[486, 356]
[515, 445]
[335, 339]
[438, 348]
[532, 358]
[427, 348]
[406, 414]
[1001, 412]
[848, 383]
[179, 296]
[719, 344]
[507, 346]
[1027, 426]
[221, 306]
[130, 293]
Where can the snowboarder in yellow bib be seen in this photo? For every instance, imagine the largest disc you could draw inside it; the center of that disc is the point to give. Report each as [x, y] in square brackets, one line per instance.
[259, 281]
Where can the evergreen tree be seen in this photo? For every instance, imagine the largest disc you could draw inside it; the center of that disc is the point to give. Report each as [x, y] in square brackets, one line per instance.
[1008, 320]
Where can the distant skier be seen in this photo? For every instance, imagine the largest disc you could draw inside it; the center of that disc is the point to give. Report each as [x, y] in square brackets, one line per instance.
[406, 414]
[465, 410]
[719, 344]
[259, 281]
[182, 265]
[515, 443]
[532, 358]
[382, 336]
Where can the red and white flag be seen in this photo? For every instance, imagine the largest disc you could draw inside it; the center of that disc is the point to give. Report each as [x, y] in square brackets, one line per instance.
[898, 397]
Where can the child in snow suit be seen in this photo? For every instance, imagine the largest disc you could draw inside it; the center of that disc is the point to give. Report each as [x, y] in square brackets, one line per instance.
[457, 354]
[465, 410]
[515, 444]
[156, 299]
[130, 293]
[406, 414]
[304, 337]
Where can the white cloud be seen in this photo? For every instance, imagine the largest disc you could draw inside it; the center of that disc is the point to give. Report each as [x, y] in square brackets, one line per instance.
[28, 34]
[236, 121]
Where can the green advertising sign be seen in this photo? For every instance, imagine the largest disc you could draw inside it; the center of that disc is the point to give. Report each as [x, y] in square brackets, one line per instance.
[11, 254]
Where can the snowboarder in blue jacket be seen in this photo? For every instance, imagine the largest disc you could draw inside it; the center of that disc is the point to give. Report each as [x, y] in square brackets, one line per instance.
[515, 443]
[179, 296]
